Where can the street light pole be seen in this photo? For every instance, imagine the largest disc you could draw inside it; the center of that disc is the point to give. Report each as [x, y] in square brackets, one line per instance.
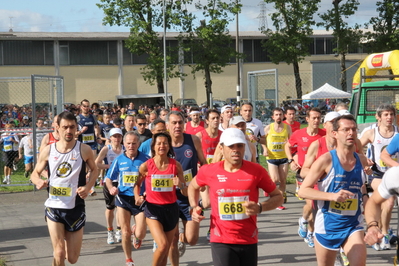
[238, 88]
[165, 73]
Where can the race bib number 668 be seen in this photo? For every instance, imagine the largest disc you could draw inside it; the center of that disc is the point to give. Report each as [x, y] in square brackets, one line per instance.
[231, 208]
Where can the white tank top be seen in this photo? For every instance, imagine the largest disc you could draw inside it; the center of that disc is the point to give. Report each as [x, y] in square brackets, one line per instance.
[247, 154]
[65, 170]
[111, 155]
[378, 145]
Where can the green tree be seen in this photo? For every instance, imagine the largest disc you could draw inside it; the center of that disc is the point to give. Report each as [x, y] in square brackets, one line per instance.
[385, 34]
[209, 44]
[142, 17]
[293, 21]
[345, 36]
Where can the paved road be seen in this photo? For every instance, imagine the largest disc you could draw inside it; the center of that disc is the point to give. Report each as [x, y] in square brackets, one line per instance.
[24, 237]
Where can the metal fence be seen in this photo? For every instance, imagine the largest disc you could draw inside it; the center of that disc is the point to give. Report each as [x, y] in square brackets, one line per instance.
[30, 103]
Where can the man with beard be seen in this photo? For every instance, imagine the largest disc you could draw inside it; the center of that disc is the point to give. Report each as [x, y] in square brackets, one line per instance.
[196, 124]
[277, 134]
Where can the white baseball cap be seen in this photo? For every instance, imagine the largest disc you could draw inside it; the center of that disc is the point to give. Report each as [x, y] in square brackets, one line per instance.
[232, 136]
[344, 112]
[25, 117]
[235, 120]
[331, 116]
[224, 108]
[114, 131]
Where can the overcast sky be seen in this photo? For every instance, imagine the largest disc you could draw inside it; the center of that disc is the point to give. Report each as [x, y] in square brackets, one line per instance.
[85, 16]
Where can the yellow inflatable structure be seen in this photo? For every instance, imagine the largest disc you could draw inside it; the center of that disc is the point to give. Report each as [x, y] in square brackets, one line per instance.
[376, 62]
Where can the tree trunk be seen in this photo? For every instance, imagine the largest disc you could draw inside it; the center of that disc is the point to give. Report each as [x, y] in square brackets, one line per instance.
[298, 81]
[343, 73]
[208, 86]
[160, 83]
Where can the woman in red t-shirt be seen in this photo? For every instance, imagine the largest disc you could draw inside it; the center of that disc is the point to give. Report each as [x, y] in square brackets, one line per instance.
[162, 175]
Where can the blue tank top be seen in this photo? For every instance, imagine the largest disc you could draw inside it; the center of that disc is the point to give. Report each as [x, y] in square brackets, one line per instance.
[334, 217]
[187, 156]
[88, 136]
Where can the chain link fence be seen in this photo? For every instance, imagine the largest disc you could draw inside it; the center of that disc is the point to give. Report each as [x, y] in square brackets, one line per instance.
[28, 106]
[268, 89]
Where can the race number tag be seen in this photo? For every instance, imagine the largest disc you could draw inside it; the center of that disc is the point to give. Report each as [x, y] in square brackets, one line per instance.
[60, 190]
[129, 178]
[88, 138]
[231, 208]
[347, 208]
[209, 158]
[8, 147]
[188, 176]
[162, 183]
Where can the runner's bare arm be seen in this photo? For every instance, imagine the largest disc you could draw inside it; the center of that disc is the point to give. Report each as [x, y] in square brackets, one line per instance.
[372, 214]
[198, 147]
[218, 156]
[100, 159]
[181, 182]
[368, 137]
[143, 171]
[88, 157]
[310, 158]
[318, 170]
[193, 197]
[44, 142]
[39, 168]
[386, 158]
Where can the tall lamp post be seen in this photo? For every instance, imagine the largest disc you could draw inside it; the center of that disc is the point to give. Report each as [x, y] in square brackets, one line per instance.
[165, 72]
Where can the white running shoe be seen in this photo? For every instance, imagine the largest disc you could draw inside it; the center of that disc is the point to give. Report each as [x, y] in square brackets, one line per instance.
[302, 228]
[14, 166]
[8, 180]
[111, 237]
[5, 180]
[385, 242]
[118, 236]
[154, 247]
[377, 246]
[309, 240]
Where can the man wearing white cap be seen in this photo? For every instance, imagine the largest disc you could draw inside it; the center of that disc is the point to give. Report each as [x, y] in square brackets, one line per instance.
[196, 124]
[103, 161]
[250, 148]
[226, 113]
[25, 122]
[379, 138]
[234, 193]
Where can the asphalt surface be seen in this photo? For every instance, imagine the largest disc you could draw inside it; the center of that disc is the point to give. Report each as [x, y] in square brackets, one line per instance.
[24, 239]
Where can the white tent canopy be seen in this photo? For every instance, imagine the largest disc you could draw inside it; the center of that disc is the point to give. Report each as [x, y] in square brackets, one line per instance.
[326, 92]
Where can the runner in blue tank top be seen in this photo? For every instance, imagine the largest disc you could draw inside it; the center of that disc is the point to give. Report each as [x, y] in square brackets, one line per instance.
[341, 195]
[188, 152]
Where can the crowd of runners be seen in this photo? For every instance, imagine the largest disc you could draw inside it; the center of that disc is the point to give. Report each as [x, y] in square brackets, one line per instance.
[164, 167]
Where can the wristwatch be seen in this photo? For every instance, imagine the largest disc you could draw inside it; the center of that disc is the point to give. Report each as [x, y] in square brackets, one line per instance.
[290, 161]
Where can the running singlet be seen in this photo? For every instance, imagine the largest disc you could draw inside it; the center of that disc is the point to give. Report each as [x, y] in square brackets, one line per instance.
[227, 192]
[111, 155]
[294, 126]
[333, 217]
[51, 138]
[194, 130]
[67, 172]
[276, 142]
[186, 155]
[302, 140]
[322, 147]
[88, 136]
[126, 171]
[159, 184]
[378, 145]
[7, 141]
[209, 144]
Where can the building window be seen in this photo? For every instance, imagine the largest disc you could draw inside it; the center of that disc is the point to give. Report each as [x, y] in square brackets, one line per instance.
[88, 53]
[27, 53]
[247, 50]
[319, 46]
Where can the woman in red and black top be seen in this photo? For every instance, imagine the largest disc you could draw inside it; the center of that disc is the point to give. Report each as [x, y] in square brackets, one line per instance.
[161, 175]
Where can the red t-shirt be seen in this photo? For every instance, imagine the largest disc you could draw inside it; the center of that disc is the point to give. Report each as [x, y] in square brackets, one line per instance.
[159, 184]
[209, 144]
[194, 130]
[302, 140]
[294, 126]
[322, 147]
[227, 191]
